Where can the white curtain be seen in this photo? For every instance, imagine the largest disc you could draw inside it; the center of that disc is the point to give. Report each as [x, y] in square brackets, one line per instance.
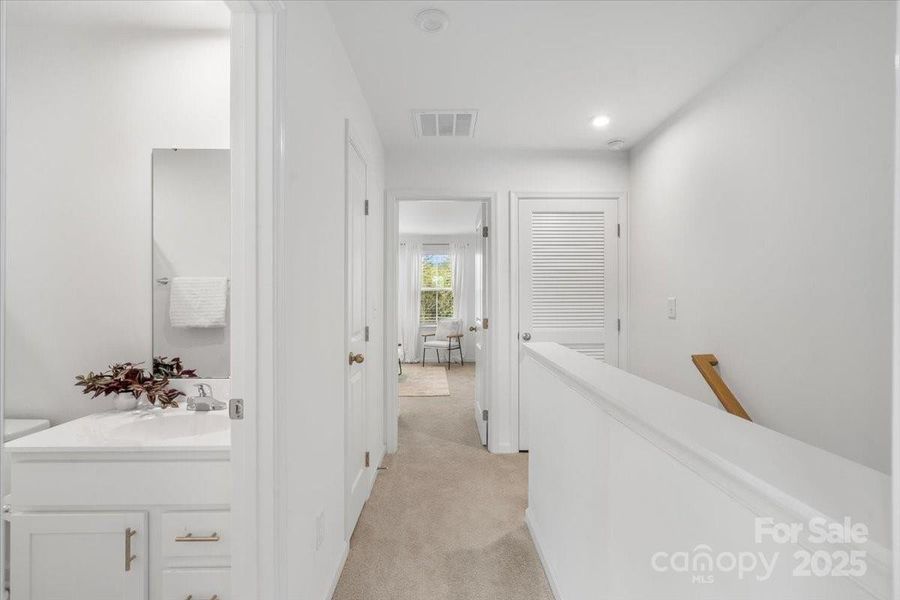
[410, 287]
[458, 252]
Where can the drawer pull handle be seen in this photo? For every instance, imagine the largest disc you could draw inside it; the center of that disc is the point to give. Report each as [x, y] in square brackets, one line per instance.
[129, 557]
[190, 537]
[213, 597]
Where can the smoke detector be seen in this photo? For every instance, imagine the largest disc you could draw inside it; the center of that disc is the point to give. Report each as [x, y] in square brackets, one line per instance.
[444, 123]
[615, 145]
[432, 20]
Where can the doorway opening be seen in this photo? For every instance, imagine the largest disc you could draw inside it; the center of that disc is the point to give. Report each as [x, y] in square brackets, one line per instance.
[170, 168]
[442, 294]
[438, 303]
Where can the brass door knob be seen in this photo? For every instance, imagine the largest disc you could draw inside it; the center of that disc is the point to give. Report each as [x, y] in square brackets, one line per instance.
[472, 328]
[356, 358]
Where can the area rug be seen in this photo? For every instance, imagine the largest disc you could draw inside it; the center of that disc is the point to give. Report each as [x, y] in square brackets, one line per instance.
[430, 380]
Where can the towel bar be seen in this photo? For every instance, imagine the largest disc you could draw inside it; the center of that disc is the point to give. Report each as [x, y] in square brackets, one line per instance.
[165, 280]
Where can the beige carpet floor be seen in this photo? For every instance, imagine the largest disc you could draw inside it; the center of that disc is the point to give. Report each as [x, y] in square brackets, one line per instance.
[446, 519]
[430, 380]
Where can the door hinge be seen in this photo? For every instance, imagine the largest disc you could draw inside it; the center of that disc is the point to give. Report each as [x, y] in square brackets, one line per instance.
[484, 323]
[618, 230]
[619, 325]
[484, 231]
[367, 207]
[367, 333]
[484, 415]
[367, 458]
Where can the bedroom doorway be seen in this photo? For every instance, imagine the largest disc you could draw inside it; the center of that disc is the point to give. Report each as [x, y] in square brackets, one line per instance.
[439, 356]
[440, 313]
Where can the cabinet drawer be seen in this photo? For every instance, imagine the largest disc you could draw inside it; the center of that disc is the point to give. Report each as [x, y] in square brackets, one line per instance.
[196, 584]
[196, 534]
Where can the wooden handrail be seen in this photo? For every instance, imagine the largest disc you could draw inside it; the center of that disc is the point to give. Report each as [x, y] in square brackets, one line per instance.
[706, 365]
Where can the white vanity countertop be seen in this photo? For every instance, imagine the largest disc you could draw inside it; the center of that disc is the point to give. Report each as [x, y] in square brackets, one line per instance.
[16, 428]
[139, 430]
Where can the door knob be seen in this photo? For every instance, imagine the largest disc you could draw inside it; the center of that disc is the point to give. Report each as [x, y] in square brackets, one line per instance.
[356, 358]
[473, 328]
[526, 336]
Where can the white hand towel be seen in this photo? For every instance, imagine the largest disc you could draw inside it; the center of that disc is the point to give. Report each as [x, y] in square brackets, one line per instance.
[198, 301]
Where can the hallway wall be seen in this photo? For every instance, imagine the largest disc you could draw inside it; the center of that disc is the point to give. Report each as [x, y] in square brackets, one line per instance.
[322, 91]
[765, 208]
[462, 169]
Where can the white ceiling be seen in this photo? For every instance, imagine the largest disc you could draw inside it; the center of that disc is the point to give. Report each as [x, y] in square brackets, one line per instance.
[438, 217]
[538, 71]
[177, 15]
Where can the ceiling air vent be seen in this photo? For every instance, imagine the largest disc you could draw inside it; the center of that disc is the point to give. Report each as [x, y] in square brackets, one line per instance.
[444, 123]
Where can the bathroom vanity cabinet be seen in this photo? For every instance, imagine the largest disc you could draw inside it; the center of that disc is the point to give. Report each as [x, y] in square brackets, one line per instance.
[95, 515]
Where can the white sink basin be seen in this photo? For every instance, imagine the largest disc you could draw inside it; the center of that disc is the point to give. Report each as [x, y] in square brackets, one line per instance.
[168, 427]
[155, 429]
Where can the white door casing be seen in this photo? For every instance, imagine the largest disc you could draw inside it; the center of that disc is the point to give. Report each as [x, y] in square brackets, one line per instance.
[355, 419]
[482, 289]
[259, 511]
[3, 101]
[568, 278]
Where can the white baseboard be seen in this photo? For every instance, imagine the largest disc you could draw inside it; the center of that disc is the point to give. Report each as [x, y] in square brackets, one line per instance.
[504, 448]
[340, 569]
[379, 458]
[536, 538]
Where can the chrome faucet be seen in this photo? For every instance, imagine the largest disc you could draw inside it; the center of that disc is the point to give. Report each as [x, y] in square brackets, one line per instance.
[204, 400]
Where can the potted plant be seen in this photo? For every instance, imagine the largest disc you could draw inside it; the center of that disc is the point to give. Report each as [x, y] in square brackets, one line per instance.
[128, 382]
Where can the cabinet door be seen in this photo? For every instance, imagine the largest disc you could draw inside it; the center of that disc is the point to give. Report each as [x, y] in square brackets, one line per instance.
[96, 556]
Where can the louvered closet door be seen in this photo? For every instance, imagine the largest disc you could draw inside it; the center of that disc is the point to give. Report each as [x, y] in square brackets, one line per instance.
[568, 278]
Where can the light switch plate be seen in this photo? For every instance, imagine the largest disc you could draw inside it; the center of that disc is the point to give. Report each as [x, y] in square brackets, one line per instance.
[670, 307]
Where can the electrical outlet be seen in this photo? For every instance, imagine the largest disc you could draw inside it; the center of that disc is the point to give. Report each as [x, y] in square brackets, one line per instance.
[320, 530]
[670, 307]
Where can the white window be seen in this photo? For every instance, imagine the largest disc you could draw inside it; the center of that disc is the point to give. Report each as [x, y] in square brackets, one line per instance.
[436, 298]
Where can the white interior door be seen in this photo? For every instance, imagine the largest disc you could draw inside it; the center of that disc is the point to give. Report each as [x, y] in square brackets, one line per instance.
[355, 442]
[568, 278]
[476, 328]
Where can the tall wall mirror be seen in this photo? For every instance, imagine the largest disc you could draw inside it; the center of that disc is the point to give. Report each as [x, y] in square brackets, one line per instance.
[191, 262]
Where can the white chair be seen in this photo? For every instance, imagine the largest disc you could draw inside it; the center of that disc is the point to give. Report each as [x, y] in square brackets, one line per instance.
[447, 337]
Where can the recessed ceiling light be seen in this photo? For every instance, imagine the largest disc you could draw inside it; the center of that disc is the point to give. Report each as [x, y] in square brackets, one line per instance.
[432, 20]
[600, 121]
[615, 145]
